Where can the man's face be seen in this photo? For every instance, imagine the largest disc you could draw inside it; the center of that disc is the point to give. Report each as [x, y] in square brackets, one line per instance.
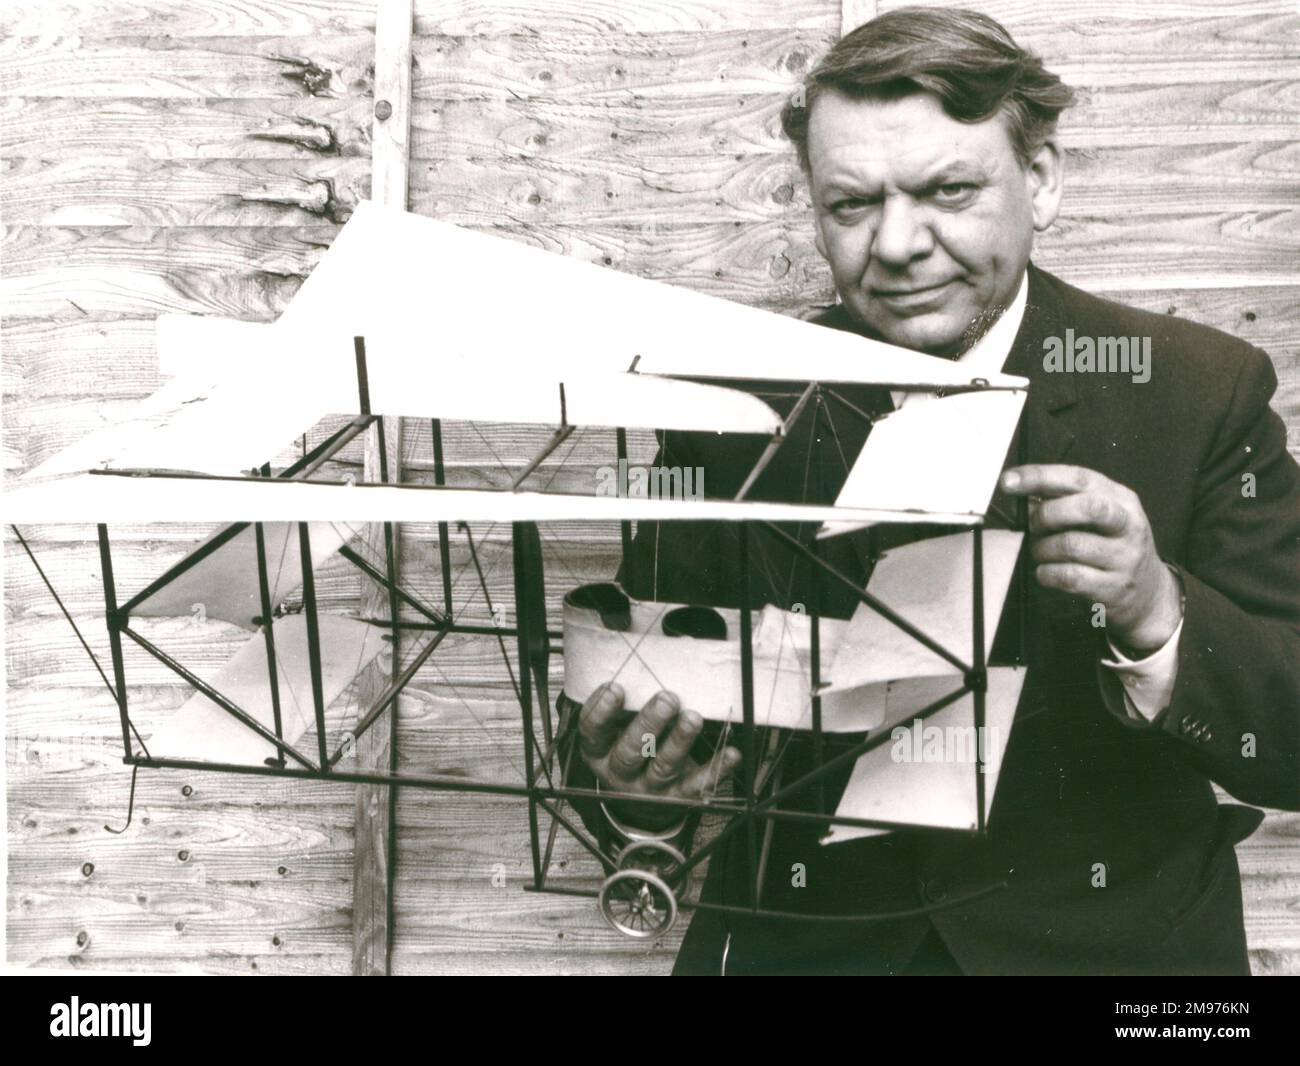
[927, 222]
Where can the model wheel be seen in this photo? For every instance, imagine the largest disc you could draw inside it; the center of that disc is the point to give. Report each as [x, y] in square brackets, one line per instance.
[638, 903]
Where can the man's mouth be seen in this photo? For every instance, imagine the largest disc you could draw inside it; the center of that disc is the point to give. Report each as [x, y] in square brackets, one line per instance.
[911, 296]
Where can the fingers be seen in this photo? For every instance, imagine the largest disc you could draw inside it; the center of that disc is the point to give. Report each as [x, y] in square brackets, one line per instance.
[1082, 510]
[1050, 479]
[600, 721]
[1077, 546]
[628, 757]
[673, 756]
[703, 782]
[1077, 579]
[607, 735]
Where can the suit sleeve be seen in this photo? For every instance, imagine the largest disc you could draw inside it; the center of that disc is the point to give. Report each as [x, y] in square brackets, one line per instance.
[1235, 709]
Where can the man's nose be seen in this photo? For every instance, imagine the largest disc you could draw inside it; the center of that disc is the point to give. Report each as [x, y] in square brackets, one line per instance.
[902, 234]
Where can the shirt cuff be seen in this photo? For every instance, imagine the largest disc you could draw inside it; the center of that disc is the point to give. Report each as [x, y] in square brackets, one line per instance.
[1148, 684]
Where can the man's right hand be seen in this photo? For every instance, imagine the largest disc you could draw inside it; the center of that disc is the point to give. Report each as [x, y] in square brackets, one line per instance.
[618, 747]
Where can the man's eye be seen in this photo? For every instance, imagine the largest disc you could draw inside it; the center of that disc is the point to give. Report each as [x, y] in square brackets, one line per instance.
[953, 192]
[848, 205]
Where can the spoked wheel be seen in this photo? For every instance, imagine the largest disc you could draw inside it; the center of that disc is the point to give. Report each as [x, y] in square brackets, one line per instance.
[640, 898]
[638, 903]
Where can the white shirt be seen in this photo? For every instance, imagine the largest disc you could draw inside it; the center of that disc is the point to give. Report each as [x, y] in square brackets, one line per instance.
[1147, 684]
[988, 354]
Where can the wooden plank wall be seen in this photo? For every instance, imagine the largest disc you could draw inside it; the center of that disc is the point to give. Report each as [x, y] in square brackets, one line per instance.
[199, 156]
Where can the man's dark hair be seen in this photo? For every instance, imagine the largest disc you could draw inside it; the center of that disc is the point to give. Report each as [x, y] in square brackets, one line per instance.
[966, 59]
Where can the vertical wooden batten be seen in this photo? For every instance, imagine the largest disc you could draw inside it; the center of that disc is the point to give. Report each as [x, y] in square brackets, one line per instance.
[853, 13]
[373, 862]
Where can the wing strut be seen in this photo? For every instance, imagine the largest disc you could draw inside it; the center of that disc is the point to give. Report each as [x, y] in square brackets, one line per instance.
[59, 601]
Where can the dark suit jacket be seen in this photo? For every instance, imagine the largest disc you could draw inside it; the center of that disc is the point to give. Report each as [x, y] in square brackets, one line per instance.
[1080, 785]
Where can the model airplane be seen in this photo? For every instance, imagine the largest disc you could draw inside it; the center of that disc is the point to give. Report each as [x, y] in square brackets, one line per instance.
[406, 316]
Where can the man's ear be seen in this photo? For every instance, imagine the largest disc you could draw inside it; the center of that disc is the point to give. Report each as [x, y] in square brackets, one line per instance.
[1046, 179]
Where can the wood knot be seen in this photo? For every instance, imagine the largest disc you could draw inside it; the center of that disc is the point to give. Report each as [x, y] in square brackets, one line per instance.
[314, 79]
[797, 62]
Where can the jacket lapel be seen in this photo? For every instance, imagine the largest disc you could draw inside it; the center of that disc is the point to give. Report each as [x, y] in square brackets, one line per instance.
[1045, 433]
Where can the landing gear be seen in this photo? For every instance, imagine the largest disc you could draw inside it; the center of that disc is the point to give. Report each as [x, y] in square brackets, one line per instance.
[640, 898]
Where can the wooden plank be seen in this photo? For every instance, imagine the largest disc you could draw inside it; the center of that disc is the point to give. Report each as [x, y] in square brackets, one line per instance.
[612, 66]
[681, 128]
[48, 357]
[225, 843]
[121, 191]
[288, 252]
[1015, 13]
[771, 264]
[853, 13]
[180, 923]
[376, 806]
[1198, 112]
[144, 128]
[1169, 251]
[747, 61]
[188, 18]
[494, 17]
[323, 65]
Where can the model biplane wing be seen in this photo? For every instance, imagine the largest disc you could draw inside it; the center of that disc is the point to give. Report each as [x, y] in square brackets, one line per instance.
[923, 775]
[228, 422]
[163, 497]
[443, 291]
[205, 731]
[409, 317]
[225, 581]
[578, 345]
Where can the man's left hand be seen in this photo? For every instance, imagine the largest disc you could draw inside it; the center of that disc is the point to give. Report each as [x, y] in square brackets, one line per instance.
[1090, 537]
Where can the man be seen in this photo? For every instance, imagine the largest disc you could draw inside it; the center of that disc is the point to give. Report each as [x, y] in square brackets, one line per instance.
[1162, 501]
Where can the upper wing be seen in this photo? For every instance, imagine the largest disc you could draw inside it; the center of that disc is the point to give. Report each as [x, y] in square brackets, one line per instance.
[228, 419]
[445, 291]
[213, 421]
[165, 498]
